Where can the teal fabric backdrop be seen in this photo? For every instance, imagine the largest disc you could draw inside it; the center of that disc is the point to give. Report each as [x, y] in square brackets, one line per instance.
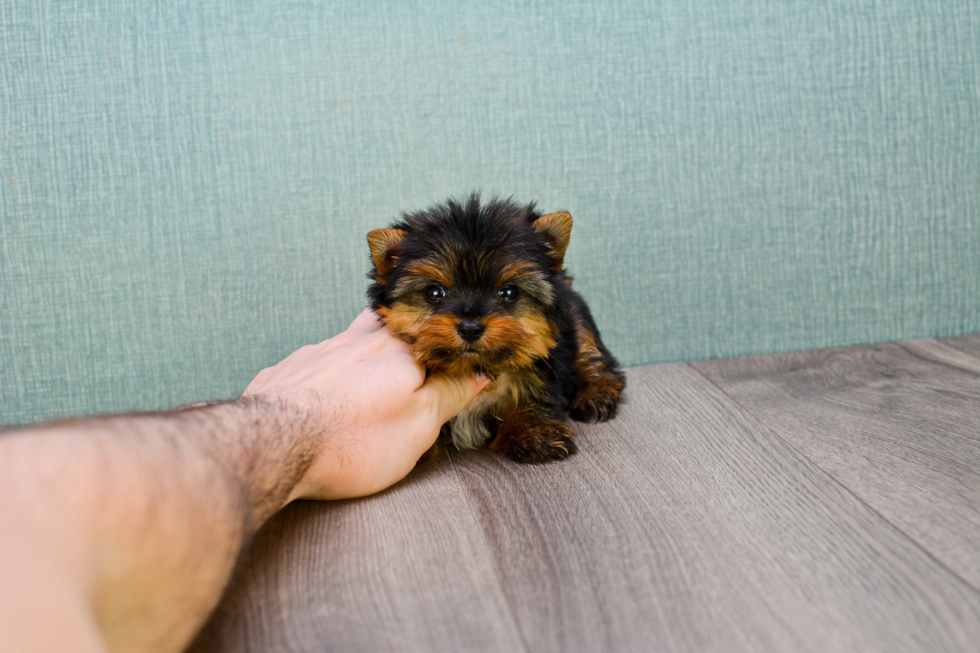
[185, 187]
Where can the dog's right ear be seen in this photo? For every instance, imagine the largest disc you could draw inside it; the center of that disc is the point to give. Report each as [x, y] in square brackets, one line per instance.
[384, 244]
[556, 229]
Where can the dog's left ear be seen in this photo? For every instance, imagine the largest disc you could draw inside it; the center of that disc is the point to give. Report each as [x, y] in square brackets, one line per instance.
[556, 228]
[384, 244]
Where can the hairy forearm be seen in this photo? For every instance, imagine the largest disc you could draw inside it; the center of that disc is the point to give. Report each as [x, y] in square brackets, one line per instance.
[120, 533]
[146, 514]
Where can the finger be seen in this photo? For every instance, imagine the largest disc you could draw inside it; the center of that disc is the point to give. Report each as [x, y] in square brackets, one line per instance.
[366, 322]
[449, 395]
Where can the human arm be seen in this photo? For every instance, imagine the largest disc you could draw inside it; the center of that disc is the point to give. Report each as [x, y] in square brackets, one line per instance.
[120, 533]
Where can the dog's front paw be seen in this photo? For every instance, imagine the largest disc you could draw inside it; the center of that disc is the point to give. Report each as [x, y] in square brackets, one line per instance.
[597, 399]
[535, 441]
[543, 443]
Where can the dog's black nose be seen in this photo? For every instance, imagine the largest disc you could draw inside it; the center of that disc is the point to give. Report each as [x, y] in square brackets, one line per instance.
[470, 330]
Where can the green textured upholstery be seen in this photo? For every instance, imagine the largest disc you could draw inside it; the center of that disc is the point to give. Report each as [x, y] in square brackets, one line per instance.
[185, 187]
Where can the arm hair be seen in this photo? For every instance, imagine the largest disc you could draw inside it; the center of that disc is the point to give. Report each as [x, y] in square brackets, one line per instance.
[147, 513]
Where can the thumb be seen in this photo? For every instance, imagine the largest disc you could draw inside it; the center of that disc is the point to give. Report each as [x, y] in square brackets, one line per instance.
[450, 395]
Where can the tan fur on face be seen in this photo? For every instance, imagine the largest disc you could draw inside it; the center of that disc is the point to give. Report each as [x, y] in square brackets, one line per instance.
[529, 278]
[529, 336]
[513, 271]
[509, 342]
[411, 322]
[431, 270]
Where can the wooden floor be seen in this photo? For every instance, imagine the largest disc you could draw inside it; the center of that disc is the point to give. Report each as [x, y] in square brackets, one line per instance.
[816, 501]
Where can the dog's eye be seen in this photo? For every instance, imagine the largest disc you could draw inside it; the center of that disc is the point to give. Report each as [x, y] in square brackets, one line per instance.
[509, 293]
[434, 293]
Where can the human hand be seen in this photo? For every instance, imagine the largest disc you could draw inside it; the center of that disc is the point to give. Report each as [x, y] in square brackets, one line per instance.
[362, 394]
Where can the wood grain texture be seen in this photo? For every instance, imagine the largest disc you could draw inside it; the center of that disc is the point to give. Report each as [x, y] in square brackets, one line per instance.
[406, 570]
[897, 424]
[962, 353]
[685, 524]
[967, 344]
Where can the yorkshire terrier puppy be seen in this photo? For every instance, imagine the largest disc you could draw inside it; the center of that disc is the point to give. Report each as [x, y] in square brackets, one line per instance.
[481, 289]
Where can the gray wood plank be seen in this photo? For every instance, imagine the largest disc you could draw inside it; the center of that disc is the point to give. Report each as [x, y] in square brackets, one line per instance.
[407, 570]
[686, 525]
[967, 344]
[898, 424]
[954, 352]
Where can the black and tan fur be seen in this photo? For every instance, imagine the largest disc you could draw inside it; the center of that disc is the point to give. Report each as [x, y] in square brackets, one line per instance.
[481, 288]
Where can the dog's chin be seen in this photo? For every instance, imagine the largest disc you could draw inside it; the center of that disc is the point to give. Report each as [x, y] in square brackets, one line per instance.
[471, 360]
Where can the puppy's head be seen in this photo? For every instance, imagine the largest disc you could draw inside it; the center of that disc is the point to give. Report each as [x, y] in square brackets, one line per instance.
[471, 287]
